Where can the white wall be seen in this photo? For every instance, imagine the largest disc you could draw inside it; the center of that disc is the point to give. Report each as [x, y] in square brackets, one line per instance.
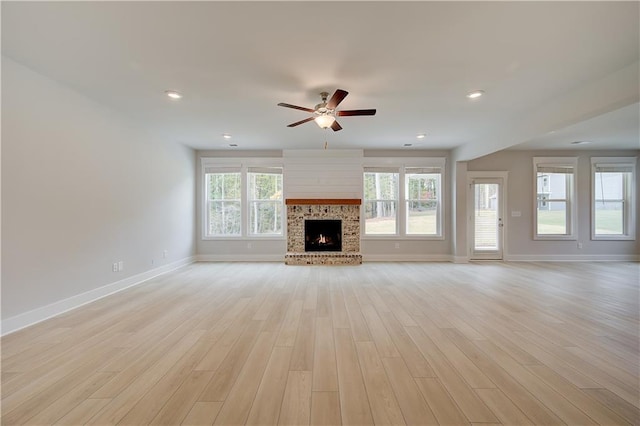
[83, 187]
[333, 173]
[520, 244]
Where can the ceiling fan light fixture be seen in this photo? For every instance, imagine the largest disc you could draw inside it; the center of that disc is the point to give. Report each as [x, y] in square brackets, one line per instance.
[325, 120]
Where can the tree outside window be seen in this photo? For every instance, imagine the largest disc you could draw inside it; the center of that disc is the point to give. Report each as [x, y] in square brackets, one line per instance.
[422, 199]
[380, 201]
[265, 201]
[224, 203]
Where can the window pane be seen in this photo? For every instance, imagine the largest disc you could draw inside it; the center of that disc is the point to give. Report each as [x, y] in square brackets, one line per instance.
[223, 190]
[610, 186]
[265, 217]
[265, 186]
[556, 215]
[609, 206]
[380, 217]
[485, 217]
[552, 186]
[609, 218]
[224, 218]
[381, 186]
[552, 218]
[224, 186]
[265, 203]
[380, 202]
[423, 186]
[422, 217]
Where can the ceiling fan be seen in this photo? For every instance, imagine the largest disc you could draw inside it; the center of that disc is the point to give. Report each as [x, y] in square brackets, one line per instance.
[325, 113]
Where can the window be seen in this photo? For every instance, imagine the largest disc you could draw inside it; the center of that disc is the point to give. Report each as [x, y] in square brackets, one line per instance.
[405, 200]
[422, 194]
[265, 201]
[554, 212]
[380, 201]
[612, 198]
[223, 190]
[242, 201]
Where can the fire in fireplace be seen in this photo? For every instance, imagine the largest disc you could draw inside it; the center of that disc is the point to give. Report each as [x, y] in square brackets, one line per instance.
[322, 235]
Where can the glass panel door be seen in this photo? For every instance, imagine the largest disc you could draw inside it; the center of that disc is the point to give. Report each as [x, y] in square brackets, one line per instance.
[486, 220]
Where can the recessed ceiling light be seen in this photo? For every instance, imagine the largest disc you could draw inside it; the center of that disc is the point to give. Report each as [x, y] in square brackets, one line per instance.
[173, 94]
[421, 136]
[475, 94]
[580, 142]
[226, 135]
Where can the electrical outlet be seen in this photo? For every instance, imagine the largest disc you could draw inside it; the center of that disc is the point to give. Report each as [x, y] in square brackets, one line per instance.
[249, 245]
[165, 253]
[579, 246]
[397, 245]
[120, 265]
[114, 267]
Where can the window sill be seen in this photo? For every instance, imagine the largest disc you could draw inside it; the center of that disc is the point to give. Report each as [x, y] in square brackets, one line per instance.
[555, 238]
[245, 238]
[403, 237]
[613, 238]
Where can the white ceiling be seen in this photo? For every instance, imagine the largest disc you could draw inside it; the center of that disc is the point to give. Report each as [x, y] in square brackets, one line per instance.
[413, 61]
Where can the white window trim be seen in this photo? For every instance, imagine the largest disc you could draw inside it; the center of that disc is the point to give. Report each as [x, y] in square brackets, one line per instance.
[572, 197]
[399, 164]
[383, 169]
[630, 206]
[250, 201]
[243, 164]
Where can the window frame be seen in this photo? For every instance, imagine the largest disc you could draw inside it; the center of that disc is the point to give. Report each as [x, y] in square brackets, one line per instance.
[251, 201]
[387, 170]
[208, 201]
[400, 165]
[438, 199]
[629, 201]
[243, 165]
[571, 197]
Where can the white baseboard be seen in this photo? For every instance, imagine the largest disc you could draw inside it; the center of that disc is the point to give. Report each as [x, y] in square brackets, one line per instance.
[572, 258]
[240, 258]
[406, 258]
[365, 258]
[460, 259]
[37, 315]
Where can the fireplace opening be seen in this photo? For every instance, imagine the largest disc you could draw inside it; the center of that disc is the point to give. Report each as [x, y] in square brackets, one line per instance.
[322, 235]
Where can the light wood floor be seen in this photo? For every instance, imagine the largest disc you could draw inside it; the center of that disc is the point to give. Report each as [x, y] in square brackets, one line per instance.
[383, 343]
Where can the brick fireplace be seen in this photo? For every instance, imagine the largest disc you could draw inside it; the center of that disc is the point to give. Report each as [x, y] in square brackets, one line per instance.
[315, 246]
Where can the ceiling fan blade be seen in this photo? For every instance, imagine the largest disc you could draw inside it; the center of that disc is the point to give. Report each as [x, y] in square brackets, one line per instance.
[282, 104]
[335, 126]
[346, 113]
[297, 123]
[337, 97]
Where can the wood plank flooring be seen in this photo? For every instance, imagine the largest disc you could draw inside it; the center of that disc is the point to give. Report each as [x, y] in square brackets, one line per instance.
[379, 343]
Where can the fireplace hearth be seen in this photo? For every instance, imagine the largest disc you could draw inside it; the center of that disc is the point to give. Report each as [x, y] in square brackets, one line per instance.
[322, 235]
[323, 232]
